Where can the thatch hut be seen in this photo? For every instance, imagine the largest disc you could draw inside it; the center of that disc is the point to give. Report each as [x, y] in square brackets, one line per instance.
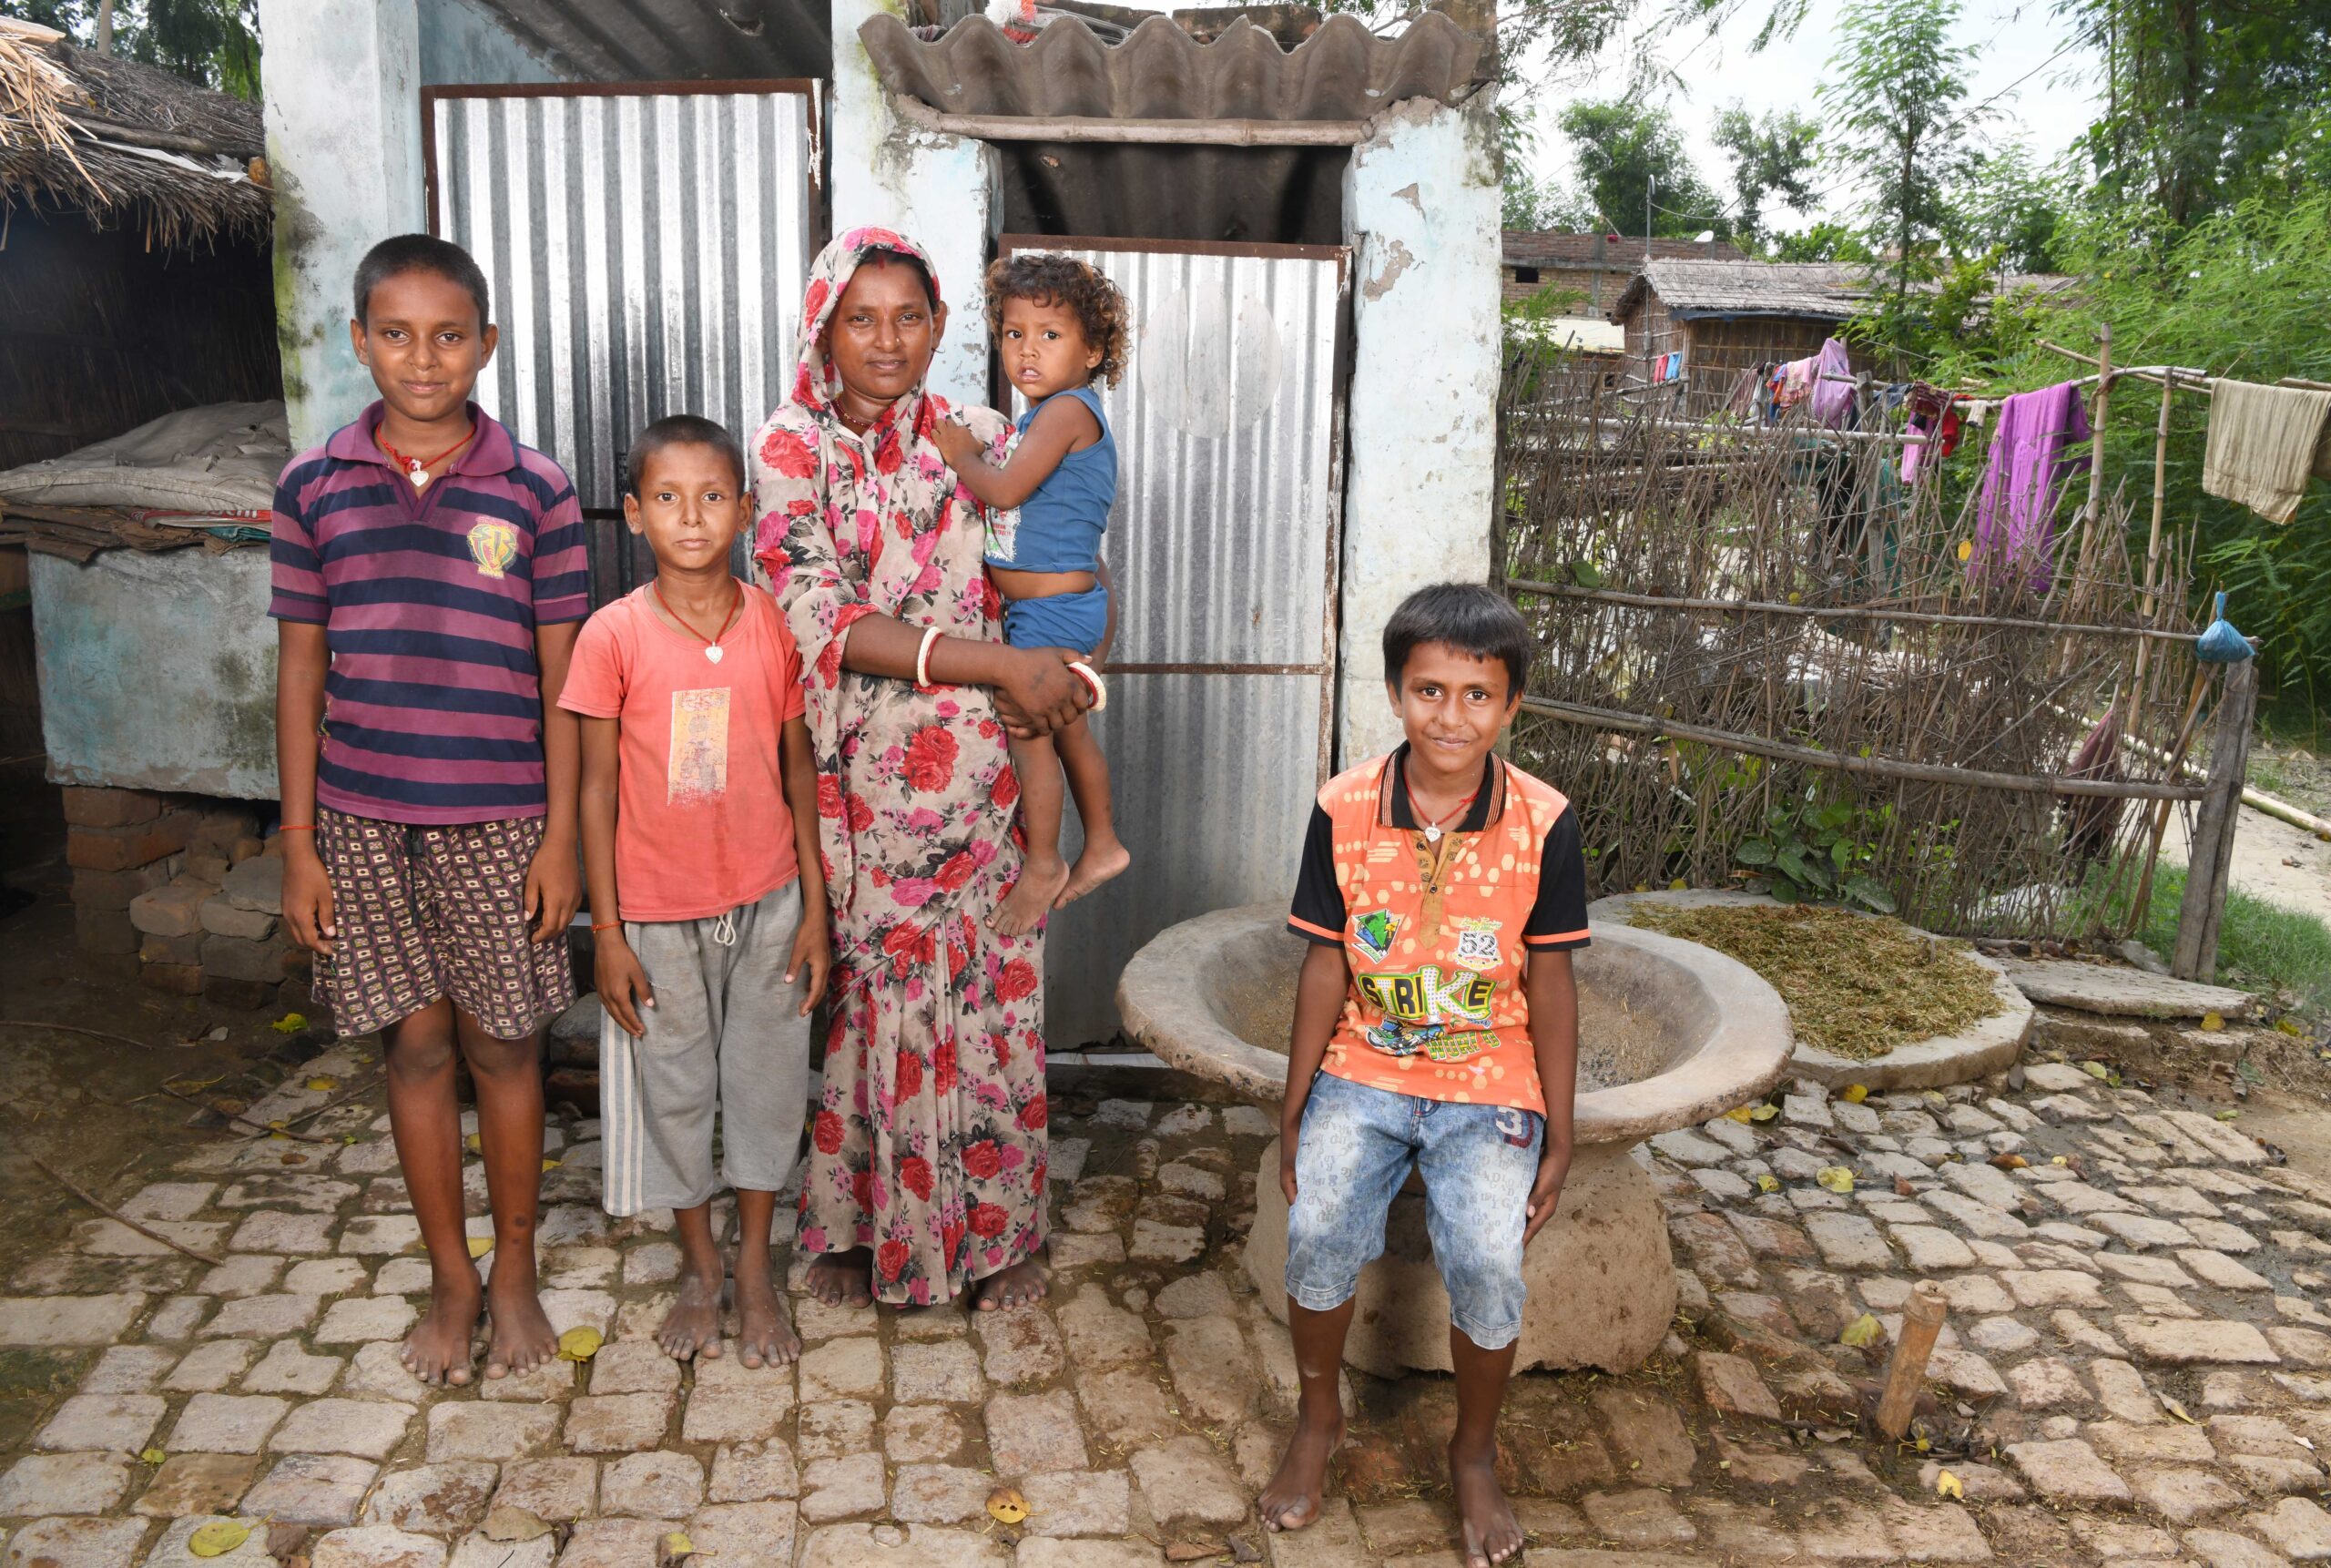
[1725, 317]
[135, 223]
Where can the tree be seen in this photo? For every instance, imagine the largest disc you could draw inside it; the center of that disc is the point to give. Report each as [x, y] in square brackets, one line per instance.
[1898, 130]
[1773, 160]
[2011, 205]
[212, 41]
[1630, 159]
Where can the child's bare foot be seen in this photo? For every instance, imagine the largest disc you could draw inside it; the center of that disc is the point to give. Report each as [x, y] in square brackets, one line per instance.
[764, 1337]
[1099, 862]
[1491, 1535]
[1292, 1499]
[523, 1338]
[692, 1328]
[437, 1352]
[1031, 899]
[1021, 1283]
[843, 1278]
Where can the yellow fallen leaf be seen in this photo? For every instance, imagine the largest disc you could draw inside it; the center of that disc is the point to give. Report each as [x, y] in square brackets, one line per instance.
[2059, 1160]
[479, 1245]
[475, 1144]
[1768, 1182]
[1835, 1179]
[2229, 1115]
[2174, 1408]
[676, 1547]
[2096, 1069]
[1854, 1093]
[1862, 1332]
[218, 1538]
[1947, 1485]
[2009, 1162]
[321, 1085]
[1923, 1444]
[152, 1456]
[1006, 1506]
[1763, 1113]
[2213, 1021]
[551, 1165]
[579, 1344]
[1678, 885]
[1966, 552]
[2288, 1025]
[289, 1023]
[1738, 1114]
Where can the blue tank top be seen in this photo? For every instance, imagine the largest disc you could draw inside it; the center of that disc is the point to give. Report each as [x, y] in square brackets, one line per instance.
[1062, 524]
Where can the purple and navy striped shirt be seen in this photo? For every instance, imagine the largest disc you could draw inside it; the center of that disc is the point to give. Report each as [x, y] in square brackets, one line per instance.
[429, 598]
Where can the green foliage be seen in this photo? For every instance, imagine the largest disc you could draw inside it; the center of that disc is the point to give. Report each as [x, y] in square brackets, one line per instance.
[1824, 241]
[214, 42]
[1773, 160]
[2011, 205]
[1898, 129]
[1632, 159]
[2260, 944]
[1814, 852]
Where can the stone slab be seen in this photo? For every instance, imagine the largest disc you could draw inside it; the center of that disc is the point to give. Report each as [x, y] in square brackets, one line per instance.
[2120, 993]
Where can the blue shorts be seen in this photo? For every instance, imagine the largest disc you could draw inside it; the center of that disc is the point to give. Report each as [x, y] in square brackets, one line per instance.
[1479, 1163]
[1077, 621]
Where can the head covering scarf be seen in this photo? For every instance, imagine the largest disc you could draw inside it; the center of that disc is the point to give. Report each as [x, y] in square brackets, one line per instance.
[928, 1147]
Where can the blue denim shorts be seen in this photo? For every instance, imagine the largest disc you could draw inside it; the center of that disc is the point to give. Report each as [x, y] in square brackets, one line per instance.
[1478, 1162]
[1077, 621]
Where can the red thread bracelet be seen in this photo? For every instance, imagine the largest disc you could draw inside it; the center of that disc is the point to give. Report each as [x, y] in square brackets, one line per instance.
[608, 926]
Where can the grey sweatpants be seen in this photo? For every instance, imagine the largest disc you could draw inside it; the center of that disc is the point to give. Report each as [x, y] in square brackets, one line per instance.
[727, 1031]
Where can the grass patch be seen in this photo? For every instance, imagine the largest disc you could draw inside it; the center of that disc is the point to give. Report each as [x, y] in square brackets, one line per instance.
[2262, 946]
[1856, 985]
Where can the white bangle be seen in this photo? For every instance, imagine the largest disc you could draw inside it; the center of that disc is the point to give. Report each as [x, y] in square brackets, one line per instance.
[922, 658]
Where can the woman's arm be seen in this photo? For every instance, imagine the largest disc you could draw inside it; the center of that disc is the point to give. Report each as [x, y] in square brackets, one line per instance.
[1318, 1002]
[302, 661]
[1036, 693]
[1062, 425]
[1554, 1037]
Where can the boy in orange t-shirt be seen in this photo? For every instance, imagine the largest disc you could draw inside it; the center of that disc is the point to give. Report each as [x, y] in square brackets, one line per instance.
[1436, 1024]
[699, 815]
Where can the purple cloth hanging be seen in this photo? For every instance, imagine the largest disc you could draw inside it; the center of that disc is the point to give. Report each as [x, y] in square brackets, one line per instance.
[2015, 516]
[1833, 385]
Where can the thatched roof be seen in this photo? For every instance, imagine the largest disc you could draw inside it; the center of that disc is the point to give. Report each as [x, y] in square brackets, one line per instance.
[1815, 290]
[119, 140]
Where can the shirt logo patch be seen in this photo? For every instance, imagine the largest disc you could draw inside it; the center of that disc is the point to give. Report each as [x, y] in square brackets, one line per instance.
[696, 769]
[494, 546]
[1372, 933]
[1476, 948]
[1424, 997]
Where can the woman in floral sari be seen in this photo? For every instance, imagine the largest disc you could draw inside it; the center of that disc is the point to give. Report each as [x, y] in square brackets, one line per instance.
[926, 1174]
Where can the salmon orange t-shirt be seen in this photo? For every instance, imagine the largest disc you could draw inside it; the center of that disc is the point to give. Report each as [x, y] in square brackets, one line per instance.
[701, 822]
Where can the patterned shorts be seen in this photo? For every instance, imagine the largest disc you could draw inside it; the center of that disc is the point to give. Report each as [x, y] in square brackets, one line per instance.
[423, 912]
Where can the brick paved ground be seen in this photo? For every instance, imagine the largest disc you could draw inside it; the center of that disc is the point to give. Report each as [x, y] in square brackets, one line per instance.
[2168, 1260]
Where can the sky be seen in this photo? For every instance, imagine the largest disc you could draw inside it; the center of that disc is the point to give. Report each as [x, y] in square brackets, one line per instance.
[2048, 102]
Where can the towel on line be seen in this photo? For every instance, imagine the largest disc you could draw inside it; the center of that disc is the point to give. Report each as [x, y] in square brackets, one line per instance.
[2264, 442]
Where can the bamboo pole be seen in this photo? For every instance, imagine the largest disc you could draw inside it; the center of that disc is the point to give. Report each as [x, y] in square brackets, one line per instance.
[2209, 859]
[1839, 611]
[1922, 1317]
[2153, 541]
[2142, 907]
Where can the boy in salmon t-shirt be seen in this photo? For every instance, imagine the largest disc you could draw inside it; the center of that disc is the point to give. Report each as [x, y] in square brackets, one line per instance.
[707, 897]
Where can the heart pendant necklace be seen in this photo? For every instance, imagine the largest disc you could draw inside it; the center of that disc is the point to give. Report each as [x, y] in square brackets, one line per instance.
[712, 648]
[417, 469]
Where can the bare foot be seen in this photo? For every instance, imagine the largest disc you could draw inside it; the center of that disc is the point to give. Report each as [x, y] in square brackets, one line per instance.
[1491, 1535]
[843, 1278]
[1022, 1282]
[692, 1328]
[1292, 1499]
[1100, 862]
[1031, 899]
[437, 1352]
[764, 1337]
[522, 1339]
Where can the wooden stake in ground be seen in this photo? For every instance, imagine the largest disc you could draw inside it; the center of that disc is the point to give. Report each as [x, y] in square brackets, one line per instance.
[2209, 859]
[1922, 1317]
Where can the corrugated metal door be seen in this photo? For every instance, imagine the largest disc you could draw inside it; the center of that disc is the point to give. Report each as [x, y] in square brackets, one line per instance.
[647, 247]
[1223, 548]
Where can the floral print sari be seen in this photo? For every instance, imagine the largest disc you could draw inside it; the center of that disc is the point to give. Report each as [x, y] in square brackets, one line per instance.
[927, 1146]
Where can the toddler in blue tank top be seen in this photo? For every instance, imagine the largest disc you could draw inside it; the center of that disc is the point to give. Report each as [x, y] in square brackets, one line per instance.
[1059, 326]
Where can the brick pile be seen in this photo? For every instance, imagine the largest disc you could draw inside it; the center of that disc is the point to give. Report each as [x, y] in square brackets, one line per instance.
[182, 892]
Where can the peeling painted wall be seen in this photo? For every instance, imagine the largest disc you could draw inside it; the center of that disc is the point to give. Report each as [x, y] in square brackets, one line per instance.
[343, 145]
[157, 672]
[938, 190]
[1420, 212]
[462, 41]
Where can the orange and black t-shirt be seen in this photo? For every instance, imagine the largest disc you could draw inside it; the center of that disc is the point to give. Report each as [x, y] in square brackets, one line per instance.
[1436, 932]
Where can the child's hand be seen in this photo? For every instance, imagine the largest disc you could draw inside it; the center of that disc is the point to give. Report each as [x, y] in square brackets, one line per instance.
[623, 984]
[1546, 1192]
[554, 890]
[957, 444]
[307, 899]
[1286, 1167]
[812, 951]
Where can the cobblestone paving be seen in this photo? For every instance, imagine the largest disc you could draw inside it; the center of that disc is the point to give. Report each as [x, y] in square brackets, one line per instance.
[2135, 1367]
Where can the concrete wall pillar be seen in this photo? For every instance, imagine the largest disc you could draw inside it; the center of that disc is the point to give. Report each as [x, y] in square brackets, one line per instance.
[938, 190]
[343, 146]
[1420, 213]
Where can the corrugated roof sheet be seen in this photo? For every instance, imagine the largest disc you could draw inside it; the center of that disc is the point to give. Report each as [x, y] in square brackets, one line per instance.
[1526, 248]
[1342, 72]
[675, 40]
[1823, 291]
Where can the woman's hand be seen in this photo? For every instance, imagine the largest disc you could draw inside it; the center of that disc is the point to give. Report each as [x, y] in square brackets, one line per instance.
[812, 951]
[1037, 693]
[622, 984]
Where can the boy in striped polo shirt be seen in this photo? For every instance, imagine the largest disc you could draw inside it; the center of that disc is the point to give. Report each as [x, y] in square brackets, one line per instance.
[429, 579]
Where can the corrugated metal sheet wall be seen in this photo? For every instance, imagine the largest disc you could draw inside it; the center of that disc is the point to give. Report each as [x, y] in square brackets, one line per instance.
[1221, 547]
[648, 252]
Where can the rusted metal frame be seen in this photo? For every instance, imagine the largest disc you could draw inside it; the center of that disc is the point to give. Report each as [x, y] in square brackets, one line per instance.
[1839, 611]
[1008, 244]
[1872, 766]
[1155, 132]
